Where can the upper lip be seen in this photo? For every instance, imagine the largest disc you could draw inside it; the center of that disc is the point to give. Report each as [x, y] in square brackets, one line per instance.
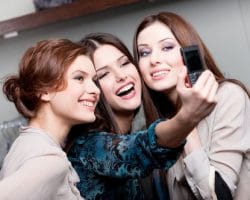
[158, 70]
[94, 99]
[124, 85]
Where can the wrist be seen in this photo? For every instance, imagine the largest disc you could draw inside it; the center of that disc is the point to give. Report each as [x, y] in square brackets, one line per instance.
[185, 118]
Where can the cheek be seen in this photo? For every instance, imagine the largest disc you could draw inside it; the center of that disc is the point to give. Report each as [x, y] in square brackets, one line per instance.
[106, 88]
[138, 80]
[72, 90]
[133, 72]
[143, 69]
[176, 70]
[175, 59]
[179, 59]
[144, 75]
[143, 64]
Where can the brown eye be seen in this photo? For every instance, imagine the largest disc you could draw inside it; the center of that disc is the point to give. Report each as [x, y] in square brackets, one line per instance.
[79, 78]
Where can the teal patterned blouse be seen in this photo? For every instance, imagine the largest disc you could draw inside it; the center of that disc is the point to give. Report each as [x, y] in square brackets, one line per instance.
[110, 166]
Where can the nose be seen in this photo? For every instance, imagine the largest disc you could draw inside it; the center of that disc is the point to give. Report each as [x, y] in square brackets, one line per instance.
[155, 58]
[93, 89]
[119, 75]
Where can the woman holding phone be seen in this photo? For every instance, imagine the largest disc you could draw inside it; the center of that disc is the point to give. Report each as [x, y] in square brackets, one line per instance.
[215, 160]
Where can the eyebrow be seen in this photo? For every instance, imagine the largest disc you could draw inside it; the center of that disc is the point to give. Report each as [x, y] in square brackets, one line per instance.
[79, 71]
[105, 67]
[121, 57]
[167, 38]
[102, 68]
[84, 73]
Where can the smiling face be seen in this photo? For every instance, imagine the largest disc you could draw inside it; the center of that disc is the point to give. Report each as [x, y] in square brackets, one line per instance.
[119, 79]
[77, 101]
[160, 59]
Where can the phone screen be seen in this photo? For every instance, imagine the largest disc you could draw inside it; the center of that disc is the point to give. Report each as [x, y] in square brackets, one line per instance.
[193, 61]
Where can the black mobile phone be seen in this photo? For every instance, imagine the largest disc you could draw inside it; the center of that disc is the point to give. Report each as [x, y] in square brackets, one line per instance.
[192, 59]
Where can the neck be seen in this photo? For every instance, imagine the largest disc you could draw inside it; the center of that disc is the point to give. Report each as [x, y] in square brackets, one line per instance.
[172, 95]
[57, 128]
[124, 121]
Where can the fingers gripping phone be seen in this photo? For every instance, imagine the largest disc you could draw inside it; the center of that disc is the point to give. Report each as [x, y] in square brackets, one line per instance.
[192, 59]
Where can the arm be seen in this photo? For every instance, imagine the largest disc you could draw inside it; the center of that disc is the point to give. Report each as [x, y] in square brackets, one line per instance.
[121, 156]
[112, 155]
[228, 129]
[37, 178]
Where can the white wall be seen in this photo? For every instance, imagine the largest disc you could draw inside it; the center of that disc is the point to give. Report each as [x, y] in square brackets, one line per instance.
[14, 8]
[223, 25]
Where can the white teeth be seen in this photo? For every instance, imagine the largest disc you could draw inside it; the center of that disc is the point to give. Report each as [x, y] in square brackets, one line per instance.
[159, 73]
[88, 103]
[126, 88]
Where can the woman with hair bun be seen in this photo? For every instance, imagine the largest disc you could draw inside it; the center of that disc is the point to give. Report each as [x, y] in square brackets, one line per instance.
[55, 90]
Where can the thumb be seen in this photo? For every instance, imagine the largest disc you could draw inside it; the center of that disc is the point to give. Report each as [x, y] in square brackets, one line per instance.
[181, 79]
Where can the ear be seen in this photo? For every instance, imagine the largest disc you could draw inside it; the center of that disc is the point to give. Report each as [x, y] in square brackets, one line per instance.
[46, 96]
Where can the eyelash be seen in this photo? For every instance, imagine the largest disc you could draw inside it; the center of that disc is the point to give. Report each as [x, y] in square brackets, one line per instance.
[145, 53]
[125, 63]
[102, 75]
[168, 47]
[79, 78]
[95, 81]
[142, 53]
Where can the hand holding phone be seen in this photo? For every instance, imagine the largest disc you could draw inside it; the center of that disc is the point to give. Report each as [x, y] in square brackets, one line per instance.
[192, 59]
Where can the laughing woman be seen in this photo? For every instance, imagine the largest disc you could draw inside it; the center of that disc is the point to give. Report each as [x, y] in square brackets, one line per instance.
[110, 166]
[215, 161]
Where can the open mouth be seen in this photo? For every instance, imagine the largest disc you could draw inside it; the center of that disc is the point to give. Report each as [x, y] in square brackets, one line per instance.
[125, 90]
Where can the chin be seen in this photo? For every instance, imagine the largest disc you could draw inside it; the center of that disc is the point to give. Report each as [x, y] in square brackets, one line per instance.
[87, 120]
[92, 119]
[160, 88]
[132, 107]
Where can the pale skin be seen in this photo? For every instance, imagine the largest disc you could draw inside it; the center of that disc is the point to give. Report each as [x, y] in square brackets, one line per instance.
[81, 95]
[161, 64]
[55, 119]
[115, 76]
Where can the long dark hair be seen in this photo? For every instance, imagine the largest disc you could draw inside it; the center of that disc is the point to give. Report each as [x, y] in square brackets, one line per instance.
[95, 40]
[105, 116]
[105, 120]
[186, 35]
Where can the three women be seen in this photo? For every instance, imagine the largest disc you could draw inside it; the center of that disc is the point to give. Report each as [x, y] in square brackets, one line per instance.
[109, 160]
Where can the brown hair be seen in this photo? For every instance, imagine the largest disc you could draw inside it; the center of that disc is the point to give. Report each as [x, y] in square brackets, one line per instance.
[41, 68]
[186, 35]
[104, 111]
